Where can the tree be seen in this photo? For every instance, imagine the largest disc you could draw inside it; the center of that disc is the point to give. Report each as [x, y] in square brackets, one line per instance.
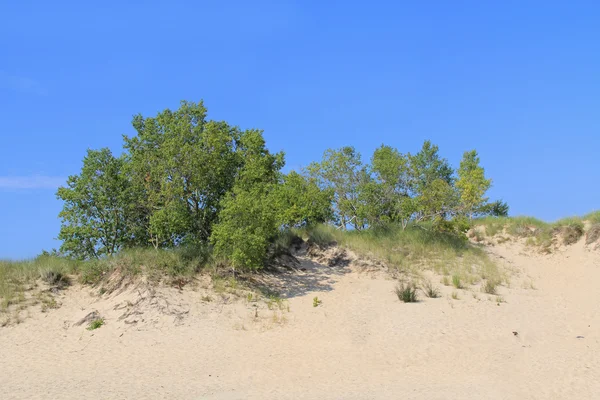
[183, 165]
[342, 172]
[248, 220]
[388, 195]
[300, 201]
[97, 216]
[472, 184]
[431, 176]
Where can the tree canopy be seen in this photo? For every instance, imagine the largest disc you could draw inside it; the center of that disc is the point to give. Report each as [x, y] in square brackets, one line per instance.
[184, 180]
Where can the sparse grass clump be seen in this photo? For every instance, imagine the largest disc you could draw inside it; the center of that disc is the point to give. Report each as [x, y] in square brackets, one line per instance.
[456, 282]
[95, 324]
[593, 234]
[571, 229]
[489, 287]
[406, 292]
[430, 290]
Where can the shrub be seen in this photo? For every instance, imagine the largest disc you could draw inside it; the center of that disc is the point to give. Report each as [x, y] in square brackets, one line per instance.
[406, 293]
[430, 290]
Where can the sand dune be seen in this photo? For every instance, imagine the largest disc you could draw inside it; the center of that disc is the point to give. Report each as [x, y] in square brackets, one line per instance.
[542, 342]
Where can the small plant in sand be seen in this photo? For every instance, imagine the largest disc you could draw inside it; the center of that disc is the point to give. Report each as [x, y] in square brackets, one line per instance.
[456, 282]
[275, 302]
[455, 295]
[430, 290]
[316, 302]
[95, 324]
[489, 287]
[406, 292]
[206, 298]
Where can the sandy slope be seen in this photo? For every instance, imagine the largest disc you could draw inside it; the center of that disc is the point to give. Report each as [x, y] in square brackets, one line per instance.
[361, 343]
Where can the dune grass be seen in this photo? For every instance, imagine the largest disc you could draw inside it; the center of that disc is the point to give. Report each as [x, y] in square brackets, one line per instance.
[18, 276]
[412, 250]
[539, 233]
[18, 279]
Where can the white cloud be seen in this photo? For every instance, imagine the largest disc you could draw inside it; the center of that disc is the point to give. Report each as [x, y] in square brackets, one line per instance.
[31, 182]
[21, 84]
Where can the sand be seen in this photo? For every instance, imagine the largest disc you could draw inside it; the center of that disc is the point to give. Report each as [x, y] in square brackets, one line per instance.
[360, 343]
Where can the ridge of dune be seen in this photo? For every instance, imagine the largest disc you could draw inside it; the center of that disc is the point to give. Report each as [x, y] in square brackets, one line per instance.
[541, 342]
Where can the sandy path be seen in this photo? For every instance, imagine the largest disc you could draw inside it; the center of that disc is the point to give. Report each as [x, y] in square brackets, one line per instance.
[361, 343]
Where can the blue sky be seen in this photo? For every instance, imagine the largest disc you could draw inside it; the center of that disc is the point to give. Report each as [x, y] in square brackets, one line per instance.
[517, 80]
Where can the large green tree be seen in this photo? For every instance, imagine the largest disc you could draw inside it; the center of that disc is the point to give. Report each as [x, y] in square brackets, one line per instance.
[184, 165]
[431, 177]
[388, 194]
[248, 220]
[98, 215]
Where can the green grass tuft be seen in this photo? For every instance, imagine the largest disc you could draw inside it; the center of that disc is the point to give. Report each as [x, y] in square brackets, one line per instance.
[95, 324]
[406, 293]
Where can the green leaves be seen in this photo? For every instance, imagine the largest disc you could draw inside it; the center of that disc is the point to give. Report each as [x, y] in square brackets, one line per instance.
[184, 180]
[96, 216]
[472, 184]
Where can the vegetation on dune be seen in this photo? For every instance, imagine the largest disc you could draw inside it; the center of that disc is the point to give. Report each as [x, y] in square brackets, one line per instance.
[412, 250]
[186, 181]
[565, 231]
[189, 193]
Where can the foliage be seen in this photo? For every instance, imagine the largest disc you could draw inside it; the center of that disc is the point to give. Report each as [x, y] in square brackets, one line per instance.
[95, 324]
[342, 172]
[301, 202]
[97, 216]
[472, 184]
[184, 181]
[249, 218]
[183, 165]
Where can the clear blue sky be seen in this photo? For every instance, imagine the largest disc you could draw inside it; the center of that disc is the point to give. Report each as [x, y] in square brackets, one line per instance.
[517, 80]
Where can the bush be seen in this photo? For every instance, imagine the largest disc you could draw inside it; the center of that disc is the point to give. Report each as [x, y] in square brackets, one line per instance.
[406, 293]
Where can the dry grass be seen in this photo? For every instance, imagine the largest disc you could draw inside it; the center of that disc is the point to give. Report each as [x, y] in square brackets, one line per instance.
[539, 234]
[413, 250]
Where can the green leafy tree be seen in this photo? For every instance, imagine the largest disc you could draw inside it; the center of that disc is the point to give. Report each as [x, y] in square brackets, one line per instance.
[248, 220]
[183, 165]
[431, 176]
[388, 195]
[97, 215]
[300, 201]
[472, 184]
[342, 172]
